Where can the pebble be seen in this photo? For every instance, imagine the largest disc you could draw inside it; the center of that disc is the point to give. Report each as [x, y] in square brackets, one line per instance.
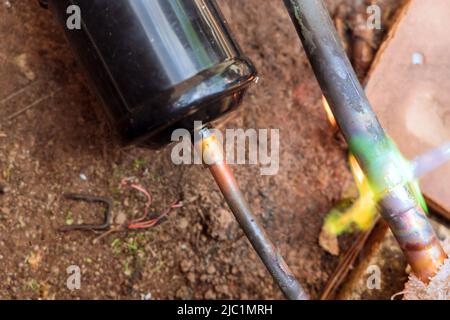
[185, 265]
[146, 296]
[211, 269]
[34, 260]
[120, 218]
[225, 218]
[183, 293]
[21, 61]
[210, 295]
[222, 289]
[191, 277]
[244, 296]
[183, 223]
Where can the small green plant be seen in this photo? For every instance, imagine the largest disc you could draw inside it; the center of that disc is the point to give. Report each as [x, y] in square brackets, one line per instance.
[127, 269]
[140, 237]
[34, 285]
[133, 246]
[116, 246]
[139, 164]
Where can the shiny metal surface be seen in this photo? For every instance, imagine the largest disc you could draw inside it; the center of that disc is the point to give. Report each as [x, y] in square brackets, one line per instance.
[212, 154]
[157, 65]
[376, 153]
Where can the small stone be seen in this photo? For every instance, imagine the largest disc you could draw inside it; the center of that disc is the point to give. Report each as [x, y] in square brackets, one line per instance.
[55, 270]
[244, 296]
[183, 293]
[225, 218]
[210, 295]
[21, 61]
[221, 222]
[44, 289]
[211, 269]
[146, 296]
[234, 270]
[120, 218]
[185, 265]
[191, 277]
[34, 260]
[222, 289]
[183, 223]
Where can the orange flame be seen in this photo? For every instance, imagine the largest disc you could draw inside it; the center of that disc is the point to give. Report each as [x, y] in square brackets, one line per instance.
[358, 174]
[330, 115]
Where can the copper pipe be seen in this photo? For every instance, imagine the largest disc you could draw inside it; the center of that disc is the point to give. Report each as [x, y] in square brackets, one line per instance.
[213, 157]
[375, 152]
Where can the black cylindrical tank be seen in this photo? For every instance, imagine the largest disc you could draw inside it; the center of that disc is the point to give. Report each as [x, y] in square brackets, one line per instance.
[158, 64]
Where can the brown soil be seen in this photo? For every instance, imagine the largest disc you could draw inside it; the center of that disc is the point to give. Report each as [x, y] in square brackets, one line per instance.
[199, 251]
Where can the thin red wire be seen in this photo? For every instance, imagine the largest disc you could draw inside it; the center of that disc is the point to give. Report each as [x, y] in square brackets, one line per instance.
[142, 223]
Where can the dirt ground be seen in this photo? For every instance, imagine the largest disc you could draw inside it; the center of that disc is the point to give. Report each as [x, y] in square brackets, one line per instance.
[62, 144]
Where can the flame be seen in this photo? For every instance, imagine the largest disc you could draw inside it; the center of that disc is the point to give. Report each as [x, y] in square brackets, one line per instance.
[358, 174]
[330, 115]
[361, 213]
